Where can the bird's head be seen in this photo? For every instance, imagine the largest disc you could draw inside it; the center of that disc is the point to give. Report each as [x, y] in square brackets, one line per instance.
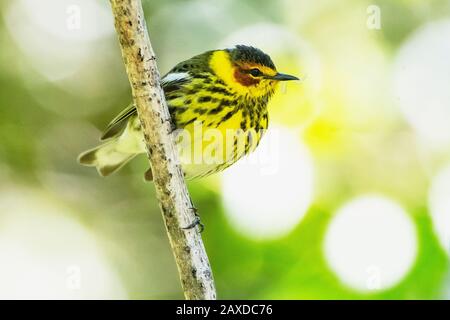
[247, 70]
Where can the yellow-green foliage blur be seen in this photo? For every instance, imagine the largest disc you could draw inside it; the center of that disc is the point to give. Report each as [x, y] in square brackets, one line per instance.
[348, 196]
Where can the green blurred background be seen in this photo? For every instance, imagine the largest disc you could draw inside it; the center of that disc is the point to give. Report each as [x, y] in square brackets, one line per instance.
[349, 196]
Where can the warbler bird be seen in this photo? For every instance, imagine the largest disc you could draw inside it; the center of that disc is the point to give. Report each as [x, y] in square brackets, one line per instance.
[214, 93]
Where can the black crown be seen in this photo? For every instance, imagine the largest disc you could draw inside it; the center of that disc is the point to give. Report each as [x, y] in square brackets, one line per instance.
[251, 54]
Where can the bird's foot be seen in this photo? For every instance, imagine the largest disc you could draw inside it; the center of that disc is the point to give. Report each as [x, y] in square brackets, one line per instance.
[197, 221]
[173, 127]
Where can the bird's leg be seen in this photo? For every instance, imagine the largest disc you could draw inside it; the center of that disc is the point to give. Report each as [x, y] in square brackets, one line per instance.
[197, 221]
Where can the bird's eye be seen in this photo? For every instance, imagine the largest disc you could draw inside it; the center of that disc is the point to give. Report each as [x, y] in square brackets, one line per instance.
[255, 72]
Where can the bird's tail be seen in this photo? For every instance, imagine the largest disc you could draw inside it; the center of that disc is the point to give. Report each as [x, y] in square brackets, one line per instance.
[107, 158]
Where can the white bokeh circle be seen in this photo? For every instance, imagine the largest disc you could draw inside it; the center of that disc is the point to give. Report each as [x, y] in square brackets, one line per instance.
[439, 204]
[46, 254]
[267, 193]
[371, 243]
[421, 82]
[57, 36]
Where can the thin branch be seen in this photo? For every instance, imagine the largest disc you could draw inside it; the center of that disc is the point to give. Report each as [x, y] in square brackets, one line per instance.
[175, 202]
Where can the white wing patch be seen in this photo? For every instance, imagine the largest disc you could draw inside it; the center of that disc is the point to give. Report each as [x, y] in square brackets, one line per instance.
[174, 76]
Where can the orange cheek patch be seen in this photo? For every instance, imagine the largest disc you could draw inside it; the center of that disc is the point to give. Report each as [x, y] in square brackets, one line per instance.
[244, 78]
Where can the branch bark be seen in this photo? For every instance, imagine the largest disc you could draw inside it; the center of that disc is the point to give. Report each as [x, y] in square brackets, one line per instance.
[175, 202]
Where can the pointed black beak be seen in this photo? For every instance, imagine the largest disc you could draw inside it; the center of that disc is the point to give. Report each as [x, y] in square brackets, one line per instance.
[284, 77]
